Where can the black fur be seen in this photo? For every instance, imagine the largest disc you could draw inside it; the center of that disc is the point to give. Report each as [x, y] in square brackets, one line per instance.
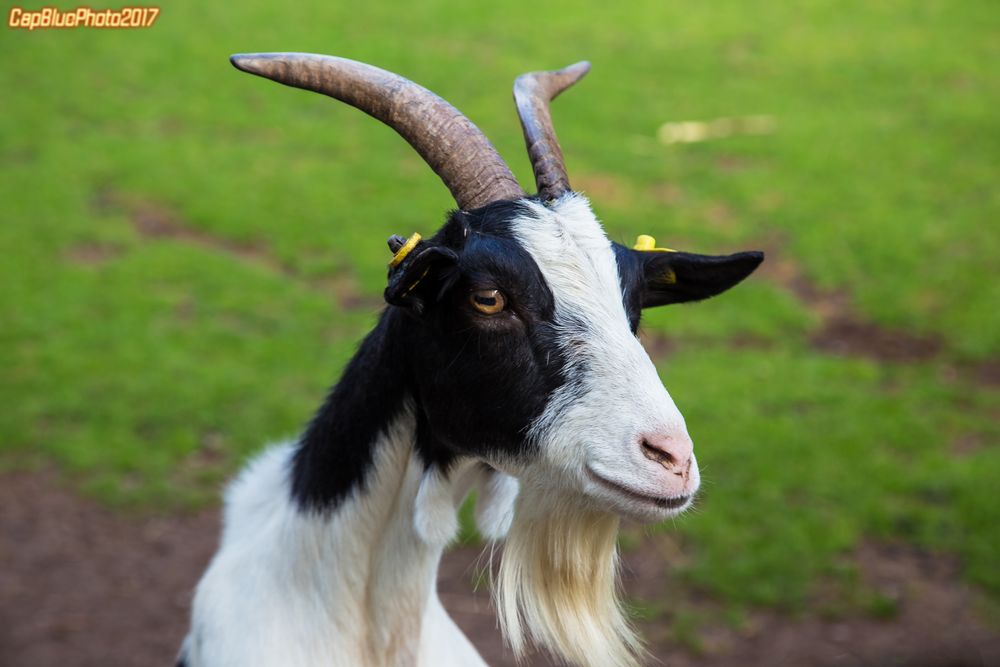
[335, 451]
[656, 278]
[632, 283]
[477, 381]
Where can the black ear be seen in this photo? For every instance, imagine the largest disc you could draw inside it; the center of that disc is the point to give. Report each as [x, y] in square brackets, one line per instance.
[421, 271]
[676, 277]
[421, 276]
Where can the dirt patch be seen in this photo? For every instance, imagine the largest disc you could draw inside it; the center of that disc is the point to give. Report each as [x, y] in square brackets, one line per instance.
[92, 253]
[988, 373]
[968, 444]
[667, 193]
[853, 337]
[733, 163]
[83, 585]
[933, 620]
[605, 188]
[661, 347]
[843, 331]
[720, 216]
[657, 345]
[155, 221]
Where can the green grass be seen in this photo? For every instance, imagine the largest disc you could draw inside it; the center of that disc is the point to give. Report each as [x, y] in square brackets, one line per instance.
[823, 452]
[147, 367]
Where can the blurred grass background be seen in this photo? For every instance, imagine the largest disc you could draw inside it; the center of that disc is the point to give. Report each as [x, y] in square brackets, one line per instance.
[191, 254]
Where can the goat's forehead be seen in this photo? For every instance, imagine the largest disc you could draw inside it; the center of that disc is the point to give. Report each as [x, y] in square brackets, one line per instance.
[573, 253]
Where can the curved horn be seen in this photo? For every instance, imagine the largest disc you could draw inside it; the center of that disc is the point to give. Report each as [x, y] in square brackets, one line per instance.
[532, 94]
[454, 148]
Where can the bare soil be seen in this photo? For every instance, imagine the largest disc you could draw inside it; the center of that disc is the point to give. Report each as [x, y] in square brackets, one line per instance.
[84, 585]
[153, 221]
[842, 330]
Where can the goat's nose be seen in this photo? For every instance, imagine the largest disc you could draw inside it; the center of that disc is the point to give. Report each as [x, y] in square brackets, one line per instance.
[673, 452]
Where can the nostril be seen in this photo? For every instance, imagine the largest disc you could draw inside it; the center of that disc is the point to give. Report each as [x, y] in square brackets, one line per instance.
[654, 453]
[672, 452]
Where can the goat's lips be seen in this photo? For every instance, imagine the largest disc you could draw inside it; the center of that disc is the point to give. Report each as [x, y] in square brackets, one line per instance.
[663, 502]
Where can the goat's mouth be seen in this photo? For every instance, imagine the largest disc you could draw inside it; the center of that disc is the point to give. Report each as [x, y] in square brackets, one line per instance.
[667, 503]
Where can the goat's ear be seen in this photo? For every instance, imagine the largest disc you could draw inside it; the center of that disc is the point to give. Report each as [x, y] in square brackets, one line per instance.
[422, 271]
[667, 276]
[421, 275]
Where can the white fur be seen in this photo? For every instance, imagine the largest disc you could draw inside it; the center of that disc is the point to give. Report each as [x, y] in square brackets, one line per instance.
[495, 504]
[434, 516]
[595, 421]
[355, 587]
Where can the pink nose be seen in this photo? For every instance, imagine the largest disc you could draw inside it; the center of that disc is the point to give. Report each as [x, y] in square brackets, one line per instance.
[673, 452]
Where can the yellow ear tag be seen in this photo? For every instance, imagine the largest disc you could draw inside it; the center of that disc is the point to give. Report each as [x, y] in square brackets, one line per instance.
[401, 254]
[647, 243]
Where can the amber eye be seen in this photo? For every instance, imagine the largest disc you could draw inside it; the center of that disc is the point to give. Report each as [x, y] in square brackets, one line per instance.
[488, 301]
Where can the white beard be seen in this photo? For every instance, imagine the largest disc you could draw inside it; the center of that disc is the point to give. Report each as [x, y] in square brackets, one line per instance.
[557, 584]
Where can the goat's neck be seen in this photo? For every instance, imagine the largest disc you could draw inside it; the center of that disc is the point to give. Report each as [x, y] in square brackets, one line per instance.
[385, 518]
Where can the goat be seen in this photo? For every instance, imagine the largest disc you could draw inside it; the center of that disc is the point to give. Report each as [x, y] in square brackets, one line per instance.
[506, 361]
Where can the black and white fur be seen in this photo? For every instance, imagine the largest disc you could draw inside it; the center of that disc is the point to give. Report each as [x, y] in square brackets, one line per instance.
[331, 544]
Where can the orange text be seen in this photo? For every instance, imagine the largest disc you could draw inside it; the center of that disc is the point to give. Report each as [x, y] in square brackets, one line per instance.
[82, 17]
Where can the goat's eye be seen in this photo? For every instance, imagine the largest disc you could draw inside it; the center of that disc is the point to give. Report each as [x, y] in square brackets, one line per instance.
[488, 301]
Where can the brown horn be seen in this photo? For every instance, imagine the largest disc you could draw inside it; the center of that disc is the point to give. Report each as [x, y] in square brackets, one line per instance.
[454, 148]
[532, 94]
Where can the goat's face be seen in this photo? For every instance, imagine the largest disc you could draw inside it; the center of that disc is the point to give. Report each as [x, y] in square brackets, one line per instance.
[524, 353]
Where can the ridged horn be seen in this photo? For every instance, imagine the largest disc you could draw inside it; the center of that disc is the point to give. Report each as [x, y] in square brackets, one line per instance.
[532, 94]
[457, 151]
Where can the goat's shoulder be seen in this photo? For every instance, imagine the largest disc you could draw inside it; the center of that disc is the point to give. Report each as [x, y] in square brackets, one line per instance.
[259, 496]
[255, 603]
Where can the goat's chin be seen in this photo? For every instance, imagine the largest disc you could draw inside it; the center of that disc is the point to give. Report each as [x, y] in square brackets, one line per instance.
[634, 505]
[644, 515]
[557, 585]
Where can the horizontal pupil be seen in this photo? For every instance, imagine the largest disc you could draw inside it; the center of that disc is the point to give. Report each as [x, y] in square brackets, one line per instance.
[487, 300]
